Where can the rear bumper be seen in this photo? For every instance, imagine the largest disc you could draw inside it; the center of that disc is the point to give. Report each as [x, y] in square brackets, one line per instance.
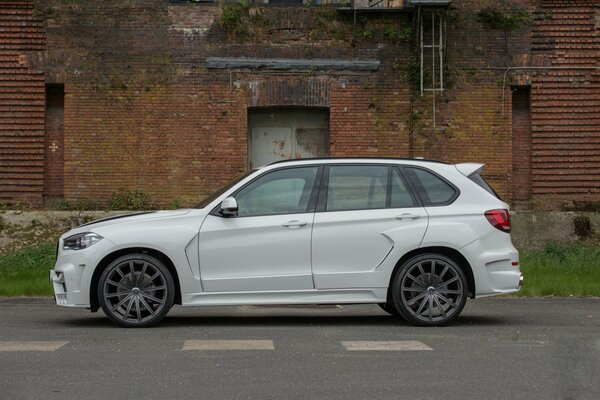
[495, 271]
[521, 281]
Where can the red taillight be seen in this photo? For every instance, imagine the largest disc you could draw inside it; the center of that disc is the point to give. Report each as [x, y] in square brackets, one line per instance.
[500, 219]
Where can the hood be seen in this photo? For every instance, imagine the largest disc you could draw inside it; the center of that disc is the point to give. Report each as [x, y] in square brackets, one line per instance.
[125, 218]
[116, 217]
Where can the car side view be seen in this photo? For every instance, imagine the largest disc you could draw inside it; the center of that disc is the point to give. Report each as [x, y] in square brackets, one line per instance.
[416, 237]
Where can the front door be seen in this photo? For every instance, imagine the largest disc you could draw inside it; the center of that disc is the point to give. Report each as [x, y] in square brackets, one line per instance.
[267, 245]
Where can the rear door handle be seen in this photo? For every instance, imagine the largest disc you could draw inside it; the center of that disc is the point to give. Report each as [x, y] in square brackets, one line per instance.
[407, 216]
[294, 224]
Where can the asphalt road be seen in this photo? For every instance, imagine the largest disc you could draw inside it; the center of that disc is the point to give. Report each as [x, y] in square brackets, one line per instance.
[498, 349]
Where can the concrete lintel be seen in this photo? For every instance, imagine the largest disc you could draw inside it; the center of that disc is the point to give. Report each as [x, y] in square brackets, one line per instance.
[283, 64]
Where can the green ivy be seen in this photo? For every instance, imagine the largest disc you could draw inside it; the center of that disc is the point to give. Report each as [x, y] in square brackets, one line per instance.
[232, 17]
[397, 35]
[505, 18]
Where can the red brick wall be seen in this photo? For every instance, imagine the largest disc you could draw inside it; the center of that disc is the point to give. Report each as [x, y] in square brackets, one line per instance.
[21, 105]
[565, 104]
[142, 111]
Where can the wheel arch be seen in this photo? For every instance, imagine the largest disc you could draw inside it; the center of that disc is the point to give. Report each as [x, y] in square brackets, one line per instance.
[449, 252]
[162, 257]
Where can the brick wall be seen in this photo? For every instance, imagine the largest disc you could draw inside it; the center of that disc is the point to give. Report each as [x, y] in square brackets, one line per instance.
[143, 111]
[565, 104]
[21, 105]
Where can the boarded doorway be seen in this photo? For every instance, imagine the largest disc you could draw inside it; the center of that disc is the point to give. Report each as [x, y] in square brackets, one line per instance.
[521, 138]
[54, 138]
[287, 133]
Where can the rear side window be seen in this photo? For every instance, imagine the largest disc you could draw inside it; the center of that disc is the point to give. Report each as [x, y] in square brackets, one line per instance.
[356, 187]
[401, 196]
[432, 189]
[478, 179]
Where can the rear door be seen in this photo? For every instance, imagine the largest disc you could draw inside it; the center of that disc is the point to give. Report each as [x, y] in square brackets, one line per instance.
[365, 213]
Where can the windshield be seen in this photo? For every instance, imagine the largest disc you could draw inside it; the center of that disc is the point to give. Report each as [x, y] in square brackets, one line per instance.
[207, 200]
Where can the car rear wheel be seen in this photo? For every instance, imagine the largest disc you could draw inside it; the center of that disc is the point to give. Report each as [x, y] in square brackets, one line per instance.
[430, 290]
[136, 290]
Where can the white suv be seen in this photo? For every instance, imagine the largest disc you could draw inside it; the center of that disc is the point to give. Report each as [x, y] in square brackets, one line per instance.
[416, 237]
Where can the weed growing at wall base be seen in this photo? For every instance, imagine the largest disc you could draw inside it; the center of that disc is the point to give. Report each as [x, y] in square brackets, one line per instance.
[25, 272]
[561, 271]
[135, 200]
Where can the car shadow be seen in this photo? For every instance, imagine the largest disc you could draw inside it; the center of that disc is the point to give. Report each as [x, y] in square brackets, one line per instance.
[176, 321]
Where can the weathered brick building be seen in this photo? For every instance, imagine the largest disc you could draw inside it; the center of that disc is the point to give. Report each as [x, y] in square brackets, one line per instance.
[175, 98]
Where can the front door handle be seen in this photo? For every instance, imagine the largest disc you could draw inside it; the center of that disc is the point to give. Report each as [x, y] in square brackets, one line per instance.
[294, 224]
[407, 216]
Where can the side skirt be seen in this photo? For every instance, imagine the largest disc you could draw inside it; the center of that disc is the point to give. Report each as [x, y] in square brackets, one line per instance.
[341, 296]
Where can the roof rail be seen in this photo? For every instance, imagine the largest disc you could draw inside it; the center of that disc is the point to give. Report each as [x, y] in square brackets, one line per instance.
[358, 158]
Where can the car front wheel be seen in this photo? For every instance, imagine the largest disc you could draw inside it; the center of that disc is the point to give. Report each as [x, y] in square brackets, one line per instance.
[136, 290]
[430, 290]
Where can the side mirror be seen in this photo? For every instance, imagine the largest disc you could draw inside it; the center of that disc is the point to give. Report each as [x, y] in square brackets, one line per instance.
[229, 207]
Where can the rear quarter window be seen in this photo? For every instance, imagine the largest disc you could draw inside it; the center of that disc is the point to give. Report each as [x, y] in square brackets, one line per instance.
[431, 188]
[478, 179]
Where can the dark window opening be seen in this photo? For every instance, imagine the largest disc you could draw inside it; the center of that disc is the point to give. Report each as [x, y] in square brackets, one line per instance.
[53, 142]
[521, 146]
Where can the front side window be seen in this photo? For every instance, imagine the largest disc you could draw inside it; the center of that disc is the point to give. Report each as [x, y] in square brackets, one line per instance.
[432, 189]
[356, 187]
[285, 191]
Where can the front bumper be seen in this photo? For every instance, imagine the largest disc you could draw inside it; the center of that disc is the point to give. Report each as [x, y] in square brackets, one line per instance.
[57, 279]
[72, 274]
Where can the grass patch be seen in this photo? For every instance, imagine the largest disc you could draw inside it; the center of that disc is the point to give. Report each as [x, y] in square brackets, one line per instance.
[561, 271]
[25, 272]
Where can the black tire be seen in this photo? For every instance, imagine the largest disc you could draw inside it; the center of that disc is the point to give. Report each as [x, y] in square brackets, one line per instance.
[429, 290]
[136, 290]
[389, 308]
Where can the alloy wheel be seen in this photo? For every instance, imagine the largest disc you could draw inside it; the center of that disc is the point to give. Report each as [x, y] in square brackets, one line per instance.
[432, 291]
[135, 292]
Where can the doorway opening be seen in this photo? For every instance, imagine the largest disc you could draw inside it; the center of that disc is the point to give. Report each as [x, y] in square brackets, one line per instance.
[53, 141]
[521, 146]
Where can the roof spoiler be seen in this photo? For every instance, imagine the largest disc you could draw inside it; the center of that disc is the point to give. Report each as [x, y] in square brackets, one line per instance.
[469, 168]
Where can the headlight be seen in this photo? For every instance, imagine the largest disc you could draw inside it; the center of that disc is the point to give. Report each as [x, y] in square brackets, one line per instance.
[81, 241]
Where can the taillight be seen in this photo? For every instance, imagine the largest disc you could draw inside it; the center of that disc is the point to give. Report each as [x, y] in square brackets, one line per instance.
[500, 219]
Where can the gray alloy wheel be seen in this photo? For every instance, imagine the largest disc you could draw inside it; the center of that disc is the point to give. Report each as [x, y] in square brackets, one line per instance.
[136, 290]
[430, 290]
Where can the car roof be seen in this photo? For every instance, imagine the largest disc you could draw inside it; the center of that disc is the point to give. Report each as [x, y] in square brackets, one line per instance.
[356, 159]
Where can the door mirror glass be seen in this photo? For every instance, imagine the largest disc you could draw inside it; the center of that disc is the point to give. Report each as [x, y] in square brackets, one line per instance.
[229, 207]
